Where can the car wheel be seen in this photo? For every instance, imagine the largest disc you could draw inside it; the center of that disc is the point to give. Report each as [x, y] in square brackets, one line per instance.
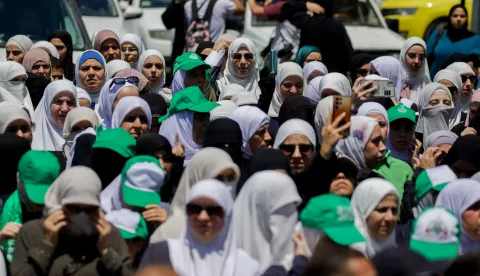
[435, 25]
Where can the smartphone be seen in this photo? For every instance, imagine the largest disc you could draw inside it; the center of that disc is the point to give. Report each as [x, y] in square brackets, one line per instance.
[385, 87]
[273, 62]
[342, 104]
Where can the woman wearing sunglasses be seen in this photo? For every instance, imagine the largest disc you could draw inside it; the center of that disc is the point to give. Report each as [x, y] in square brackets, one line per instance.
[414, 62]
[114, 90]
[359, 65]
[90, 73]
[469, 80]
[241, 67]
[208, 246]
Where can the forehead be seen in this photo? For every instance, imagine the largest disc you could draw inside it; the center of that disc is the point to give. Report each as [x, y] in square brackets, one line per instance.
[297, 139]
[416, 49]
[439, 94]
[153, 59]
[293, 78]
[377, 116]
[57, 42]
[13, 48]
[204, 201]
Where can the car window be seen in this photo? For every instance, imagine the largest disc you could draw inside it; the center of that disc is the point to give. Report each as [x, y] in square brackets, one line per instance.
[97, 8]
[154, 3]
[38, 19]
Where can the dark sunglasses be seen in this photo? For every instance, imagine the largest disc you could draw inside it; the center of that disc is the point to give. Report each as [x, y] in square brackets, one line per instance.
[290, 149]
[247, 56]
[362, 72]
[453, 90]
[472, 79]
[122, 81]
[194, 209]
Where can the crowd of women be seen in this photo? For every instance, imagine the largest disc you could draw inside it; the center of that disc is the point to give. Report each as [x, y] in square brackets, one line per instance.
[233, 170]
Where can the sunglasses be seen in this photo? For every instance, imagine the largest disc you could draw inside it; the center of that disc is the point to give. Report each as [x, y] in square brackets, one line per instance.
[453, 90]
[362, 72]
[122, 81]
[290, 149]
[472, 79]
[129, 49]
[214, 211]
[247, 56]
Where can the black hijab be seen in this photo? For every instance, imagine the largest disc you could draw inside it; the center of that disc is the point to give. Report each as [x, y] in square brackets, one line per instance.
[157, 103]
[464, 156]
[202, 46]
[357, 61]
[36, 87]
[151, 144]
[224, 133]
[12, 148]
[108, 164]
[84, 150]
[297, 107]
[458, 34]
[68, 66]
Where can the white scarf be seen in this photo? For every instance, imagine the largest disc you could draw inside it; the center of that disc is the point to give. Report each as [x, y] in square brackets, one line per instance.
[456, 79]
[47, 135]
[313, 90]
[14, 91]
[390, 68]
[116, 65]
[314, 66]
[336, 82]
[22, 42]
[107, 98]
[461, 105]
[47, 45]
[223, 111]
[324, 109]
[285, 70]
[159, 89]
[127, 105]
[12, 111]
[250, 119]
[135, 40]
[294, 126]
[230, 90]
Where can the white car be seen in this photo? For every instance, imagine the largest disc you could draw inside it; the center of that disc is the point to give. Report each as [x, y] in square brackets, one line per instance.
[150, 26]
[363, 21]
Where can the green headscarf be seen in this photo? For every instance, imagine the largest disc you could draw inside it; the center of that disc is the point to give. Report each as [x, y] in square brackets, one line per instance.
[304, 52]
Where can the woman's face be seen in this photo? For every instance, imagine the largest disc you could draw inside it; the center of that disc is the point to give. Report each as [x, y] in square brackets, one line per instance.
[20, 128]
[201, 121]
[451, 87]
[14, 54]
[313, 56]
[382, 221]
[439, 98]
[415, 57]
[291, 86]
[363, 71]
[468, 81]
[341, 185]
[153, 69]
[205, 219]
[61, 48]
[227, 175]
[110, 49]
[260, 140]
[57, 73]
[166, 164]
[458, 18]
[135, 123]
[196, 77]
[81, 126]
[299, 151]
[60, 106]
[401, 134]
[130, 53]
[242, 62]
[40, 68]
[92, 75]
[374, 148]
[471, 221]
[124, 92]
[382, 122]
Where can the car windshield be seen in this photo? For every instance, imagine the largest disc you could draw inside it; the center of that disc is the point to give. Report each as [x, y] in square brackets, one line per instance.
[38, 19]
[154, 3]
[97, 8]
[349, 12]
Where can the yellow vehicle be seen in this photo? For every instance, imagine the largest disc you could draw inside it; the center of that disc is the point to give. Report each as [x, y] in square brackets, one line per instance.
[421, 17]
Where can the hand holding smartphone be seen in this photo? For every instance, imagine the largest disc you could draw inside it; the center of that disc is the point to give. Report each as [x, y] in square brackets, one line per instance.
[342, 104]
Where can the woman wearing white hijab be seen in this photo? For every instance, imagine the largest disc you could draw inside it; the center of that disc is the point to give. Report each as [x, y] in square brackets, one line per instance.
[375, 204]
[246, 73]
[462, 197]
[78, 120]
[266, 212]
[209, 163]
[12, 85]
[324, 109]
[254, 124]
[390, 68]
[132, 114]
[110, 96]
[116, 65]
[205, 253]
[314, 69]
[453, 81]
[334, 84]
[128, 42]
[376, 111]
[152, 65]
[15, 119]
[224, 110]
[17, 46]
[48, 46]
[288, 82]
[230, 90]
[465, 94]
[414, 62]
[435, 107]
[313, 90]
[59, 98]
[83, 98]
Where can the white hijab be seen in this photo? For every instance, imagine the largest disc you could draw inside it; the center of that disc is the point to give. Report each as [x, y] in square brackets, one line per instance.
[457, 197]
[245, 98]
[77, 115]
[12, 111]
[285, 70]
[206, 164]
[250, 82]
[461, 105]
[366, 196]
[166, 93]
[250, 119]
[45, 44]
[336, 82]
[82, 94]
[374, 107]
[47, 135]
[294, 126]
[107, 98]
[416, 80]
[116, 65]
[221, 257]
[127, 105]
[456, 79]
[313, 90]
[135, 40]
[224, 110]
[324, 109]
[230, 90]
[264, 196]
[313, 67]
[22, 42]
[14, 91]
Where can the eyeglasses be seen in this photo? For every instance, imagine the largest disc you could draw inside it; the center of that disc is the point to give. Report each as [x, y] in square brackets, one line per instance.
[247, 56]
[133, 118]
[122, 81]
[214, 211]
[453, 90]
[289, 85]
[414, 56]
[362, 72]
[472, 79]
[290, 149]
